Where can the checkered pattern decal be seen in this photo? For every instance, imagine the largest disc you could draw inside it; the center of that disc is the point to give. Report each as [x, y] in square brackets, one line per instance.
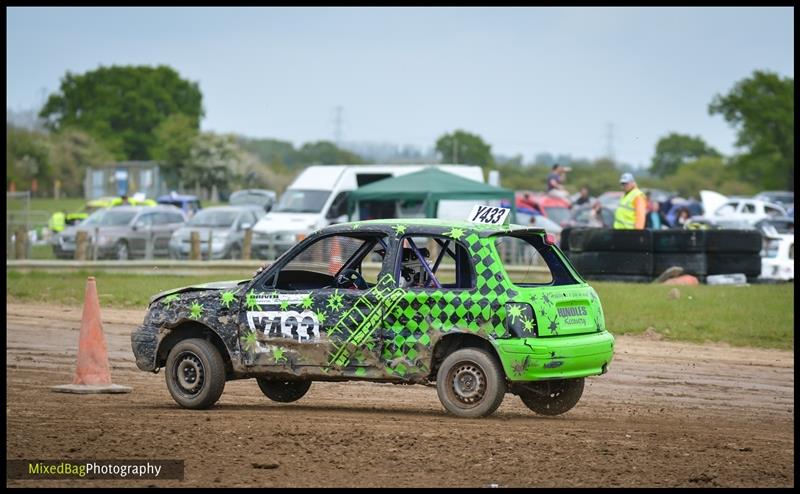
[420, 313]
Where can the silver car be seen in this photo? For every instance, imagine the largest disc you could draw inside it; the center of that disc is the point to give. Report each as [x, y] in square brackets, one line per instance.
[124, 232]
[225, 225]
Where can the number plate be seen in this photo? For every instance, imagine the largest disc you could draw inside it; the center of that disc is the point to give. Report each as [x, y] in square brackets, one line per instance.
[489, 215]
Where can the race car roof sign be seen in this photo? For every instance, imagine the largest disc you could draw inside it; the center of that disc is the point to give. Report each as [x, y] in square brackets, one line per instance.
[489, 215]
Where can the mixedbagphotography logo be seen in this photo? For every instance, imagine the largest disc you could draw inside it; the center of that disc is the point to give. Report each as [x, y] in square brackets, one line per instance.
[94, 469]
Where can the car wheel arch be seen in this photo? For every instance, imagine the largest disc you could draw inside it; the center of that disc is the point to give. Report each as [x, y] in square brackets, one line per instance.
[455, 340]
[192, 329]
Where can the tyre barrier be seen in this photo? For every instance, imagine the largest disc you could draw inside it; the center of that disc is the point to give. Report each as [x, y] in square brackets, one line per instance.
[692, 263]
[631, 255]
[739, 241]
[749, 264]
[607, 239]
[613, 263]
[683, 241]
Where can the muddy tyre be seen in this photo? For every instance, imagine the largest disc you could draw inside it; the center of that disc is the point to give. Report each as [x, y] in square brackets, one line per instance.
[283, 391]
[553, 397]
[195, 373]
[470, 383]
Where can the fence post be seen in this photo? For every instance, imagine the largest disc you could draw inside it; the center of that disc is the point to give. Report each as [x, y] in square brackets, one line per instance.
[195, 252]
[81, 239]
[96, 243]
[247, 244]
[149, 246]
[209, 245]
[20, 247]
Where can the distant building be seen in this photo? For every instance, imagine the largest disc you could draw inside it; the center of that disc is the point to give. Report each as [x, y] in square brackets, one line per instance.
[124, 178]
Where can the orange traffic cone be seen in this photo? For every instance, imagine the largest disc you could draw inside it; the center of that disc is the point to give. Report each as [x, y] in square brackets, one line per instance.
[93, 373]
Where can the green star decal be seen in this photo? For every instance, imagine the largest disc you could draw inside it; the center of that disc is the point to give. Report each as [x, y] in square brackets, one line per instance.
[514, 312]
[321, 316]
[171, 298]
[196, 310]
[307, 302]
[278, 354]
[399, 229]
[227, 298]
[527, 324]
[250, 301]
[250, 341]
[455, 233]
[356, 226]
[335, 301]
[285, 305]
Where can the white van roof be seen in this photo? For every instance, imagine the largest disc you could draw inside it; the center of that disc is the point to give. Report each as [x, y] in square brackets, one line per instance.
[324, 177]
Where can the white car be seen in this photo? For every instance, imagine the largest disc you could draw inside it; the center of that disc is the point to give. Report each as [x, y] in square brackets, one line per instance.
[777, 258]
[730, 212]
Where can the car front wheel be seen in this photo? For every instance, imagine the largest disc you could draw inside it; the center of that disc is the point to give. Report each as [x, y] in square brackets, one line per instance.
[283, 391]
[195, 373]
[470, 383]
[552, 397]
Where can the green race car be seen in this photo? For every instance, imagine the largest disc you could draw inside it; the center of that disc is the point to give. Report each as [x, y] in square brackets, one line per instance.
[405, 301]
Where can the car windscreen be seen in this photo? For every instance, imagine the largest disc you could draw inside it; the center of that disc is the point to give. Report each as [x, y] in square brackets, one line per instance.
[115, 218]
[213, 218]
[94, 218]
[302, 201]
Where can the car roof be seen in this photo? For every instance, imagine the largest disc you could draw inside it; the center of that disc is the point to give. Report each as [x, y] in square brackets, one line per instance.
[427, 226]
[232, 207]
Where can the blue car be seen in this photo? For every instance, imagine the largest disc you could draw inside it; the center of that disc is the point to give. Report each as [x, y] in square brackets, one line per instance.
[189, 204]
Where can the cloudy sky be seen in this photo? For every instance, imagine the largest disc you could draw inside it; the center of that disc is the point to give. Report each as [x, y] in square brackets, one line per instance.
[528, 80]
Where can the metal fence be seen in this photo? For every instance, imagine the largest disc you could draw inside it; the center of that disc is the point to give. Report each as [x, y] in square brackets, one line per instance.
[29, 224]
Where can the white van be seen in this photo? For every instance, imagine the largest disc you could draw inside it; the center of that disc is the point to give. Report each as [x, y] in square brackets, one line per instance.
[318, 198]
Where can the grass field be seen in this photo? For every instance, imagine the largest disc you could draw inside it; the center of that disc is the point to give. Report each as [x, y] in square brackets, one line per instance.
[756, 315]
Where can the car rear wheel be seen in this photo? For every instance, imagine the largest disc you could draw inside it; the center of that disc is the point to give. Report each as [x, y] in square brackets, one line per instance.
[195, 373]
[122, 251]
[283, 391]
[470, 383]
[552, 397]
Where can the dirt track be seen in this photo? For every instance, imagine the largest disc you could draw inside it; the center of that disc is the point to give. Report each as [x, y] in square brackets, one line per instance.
[667, 414]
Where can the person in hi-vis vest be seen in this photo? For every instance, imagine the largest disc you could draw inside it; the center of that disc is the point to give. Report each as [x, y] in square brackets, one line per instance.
[632, 210]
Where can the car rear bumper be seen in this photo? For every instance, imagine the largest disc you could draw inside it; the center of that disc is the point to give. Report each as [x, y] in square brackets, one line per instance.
[556, 357]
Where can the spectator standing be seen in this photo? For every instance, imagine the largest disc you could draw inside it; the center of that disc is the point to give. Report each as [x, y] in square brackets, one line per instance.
[555, 181]
[655, 219]
[630, 214]
[584, 198]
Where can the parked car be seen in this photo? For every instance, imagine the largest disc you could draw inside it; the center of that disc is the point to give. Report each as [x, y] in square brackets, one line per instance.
[583, 216]
[783, 197]
[777, 258]
[260, 197]
[610, 199]
[225, 224]
[733, 213]
[475, 329]
[189, 204]
[123, 232]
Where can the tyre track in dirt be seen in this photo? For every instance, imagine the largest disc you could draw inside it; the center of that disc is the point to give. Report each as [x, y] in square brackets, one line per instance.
[666, 414]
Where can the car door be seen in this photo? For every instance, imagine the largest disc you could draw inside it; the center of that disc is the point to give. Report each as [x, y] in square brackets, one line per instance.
[298, 319]
[166, 222]
[140, 233]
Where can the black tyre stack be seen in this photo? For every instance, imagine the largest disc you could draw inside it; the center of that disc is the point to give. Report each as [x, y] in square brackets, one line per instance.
[611, 255]
[682, 248]
[734, 251]
[641, 255]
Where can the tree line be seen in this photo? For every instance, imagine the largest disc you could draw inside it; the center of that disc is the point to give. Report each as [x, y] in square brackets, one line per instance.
[122, 113]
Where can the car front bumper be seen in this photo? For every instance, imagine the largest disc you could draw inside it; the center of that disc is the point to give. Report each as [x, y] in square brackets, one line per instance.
[144, 342]
[556, 357]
